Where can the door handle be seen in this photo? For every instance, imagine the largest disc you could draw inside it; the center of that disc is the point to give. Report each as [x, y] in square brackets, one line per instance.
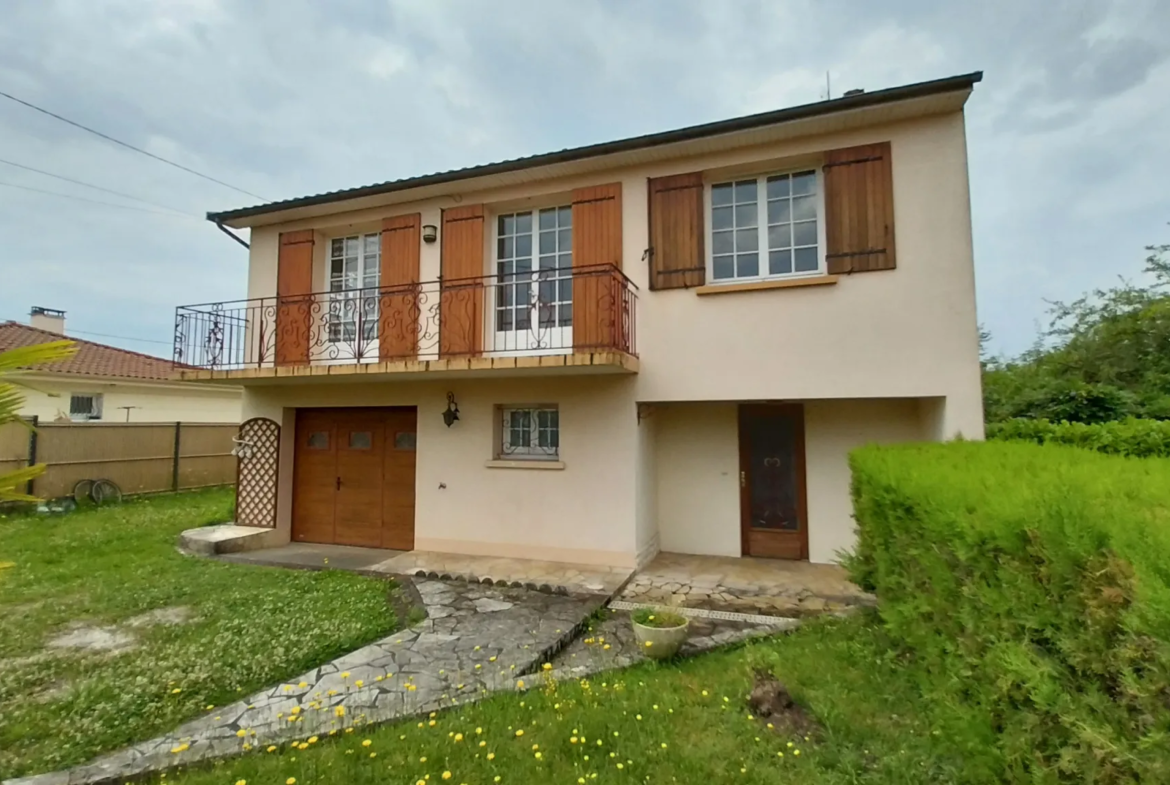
[743, 479]
[338, 487]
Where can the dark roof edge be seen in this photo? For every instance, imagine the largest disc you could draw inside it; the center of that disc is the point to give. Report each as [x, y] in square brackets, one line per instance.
[845, 103]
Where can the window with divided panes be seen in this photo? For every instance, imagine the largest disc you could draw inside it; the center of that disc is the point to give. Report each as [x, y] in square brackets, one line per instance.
[766, 227]
[534, 294]
[529, 432]
[354, 271]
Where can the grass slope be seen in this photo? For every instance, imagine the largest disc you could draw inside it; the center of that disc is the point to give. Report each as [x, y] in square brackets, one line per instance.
[251, 627]
[687, 722]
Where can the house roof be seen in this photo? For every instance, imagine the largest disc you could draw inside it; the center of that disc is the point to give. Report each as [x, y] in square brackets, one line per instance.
[91, 359]
[845, 103]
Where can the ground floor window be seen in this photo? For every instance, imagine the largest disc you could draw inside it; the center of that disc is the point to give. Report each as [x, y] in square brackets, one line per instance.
[529, 433]
[85, 406]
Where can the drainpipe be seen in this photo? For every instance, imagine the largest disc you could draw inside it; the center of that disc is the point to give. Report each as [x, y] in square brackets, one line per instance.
[231, 234]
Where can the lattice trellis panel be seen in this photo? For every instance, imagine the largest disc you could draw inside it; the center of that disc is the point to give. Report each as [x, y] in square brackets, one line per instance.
[259, 460]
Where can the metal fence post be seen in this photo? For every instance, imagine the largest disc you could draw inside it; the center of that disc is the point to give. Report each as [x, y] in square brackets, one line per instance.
[32, 452]
[175, 463]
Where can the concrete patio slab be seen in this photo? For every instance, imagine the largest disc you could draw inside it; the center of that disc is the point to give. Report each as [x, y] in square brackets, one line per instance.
[548, 576]
[315, 555]
[225, 538]
[769, 587]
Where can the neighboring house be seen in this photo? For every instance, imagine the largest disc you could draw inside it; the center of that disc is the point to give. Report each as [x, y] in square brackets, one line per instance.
[102, 383]
[666, 342]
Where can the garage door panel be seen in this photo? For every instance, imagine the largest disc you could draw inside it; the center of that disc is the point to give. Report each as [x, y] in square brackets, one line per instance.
[356, 486]
[313, 479]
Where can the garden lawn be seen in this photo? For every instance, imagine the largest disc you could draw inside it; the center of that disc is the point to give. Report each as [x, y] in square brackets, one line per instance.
[248, 627]
[687, 722]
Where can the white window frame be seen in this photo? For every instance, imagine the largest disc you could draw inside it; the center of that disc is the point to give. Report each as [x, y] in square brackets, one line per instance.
[762, 226]
[343, 293]
[533, 450]
[534, 339]
[95, 412]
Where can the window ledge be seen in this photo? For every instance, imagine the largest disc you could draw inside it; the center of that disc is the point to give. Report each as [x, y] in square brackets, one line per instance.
[545, 465]
[755, 286]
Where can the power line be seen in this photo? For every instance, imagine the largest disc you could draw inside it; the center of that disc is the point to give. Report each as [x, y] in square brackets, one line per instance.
[97, 187]
[98, 201]
[119, 337]
[129, 146]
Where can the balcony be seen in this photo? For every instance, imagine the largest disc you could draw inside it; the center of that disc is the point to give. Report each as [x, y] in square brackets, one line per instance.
[575, 319]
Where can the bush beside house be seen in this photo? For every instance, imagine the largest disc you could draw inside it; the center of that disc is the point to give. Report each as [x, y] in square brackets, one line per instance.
[1030, 588]
[1136, 437]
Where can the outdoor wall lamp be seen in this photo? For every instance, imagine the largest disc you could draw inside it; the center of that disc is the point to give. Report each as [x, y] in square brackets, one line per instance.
[451, 414]
[430, 233]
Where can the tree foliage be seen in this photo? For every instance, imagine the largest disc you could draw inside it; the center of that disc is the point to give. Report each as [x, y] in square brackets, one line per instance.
[11, 400]
[1105, 356]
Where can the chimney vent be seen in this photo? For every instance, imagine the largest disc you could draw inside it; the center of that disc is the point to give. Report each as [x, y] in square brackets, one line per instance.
[49, 319]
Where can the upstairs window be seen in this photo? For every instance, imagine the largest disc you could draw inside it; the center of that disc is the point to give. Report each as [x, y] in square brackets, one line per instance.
[766, 227]
[534, 269]
[354, 270]
[85, 406]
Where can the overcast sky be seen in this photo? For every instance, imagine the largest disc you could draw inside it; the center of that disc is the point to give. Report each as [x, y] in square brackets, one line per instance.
[1069, 133]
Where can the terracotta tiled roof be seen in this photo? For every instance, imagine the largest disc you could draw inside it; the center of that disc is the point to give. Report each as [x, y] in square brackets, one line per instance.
[91, 359]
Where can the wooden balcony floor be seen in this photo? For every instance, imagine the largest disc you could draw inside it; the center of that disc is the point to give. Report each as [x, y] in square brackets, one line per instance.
[602, 362]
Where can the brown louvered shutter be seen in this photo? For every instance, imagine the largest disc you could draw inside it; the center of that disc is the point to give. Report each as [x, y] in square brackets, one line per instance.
[461, 268]
[859, 209]
[597, 251]
[676, 232]
[294, 286]
[398, 307]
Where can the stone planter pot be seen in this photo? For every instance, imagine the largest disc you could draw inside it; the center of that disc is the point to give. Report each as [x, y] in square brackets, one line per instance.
[664, 641]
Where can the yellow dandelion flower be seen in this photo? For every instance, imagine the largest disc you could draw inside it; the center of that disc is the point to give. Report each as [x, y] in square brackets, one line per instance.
[649, 644]
[241, 733]
[241, 782]
[271, 748]
[796, 752]
[339, 711]
[790, 745]
[491, 756]
[458, 737]
[366, 742]
[303, 684]
[779, 754]
[478, 731]
[520, 684]
[373, 754]
[521, 732]
[423, 759]
[176, 691]
[535, 746]
[547, 666]
[621, 766]
[492, 658]
[478, 666]
[345, 674]
[291, 781]
[605, 647]
[704, 693]
[483, 744]
[431, 723]
[572, 739]
[446, 775]
[537, 756]
[359, 683]
[295, 710]
[637, 716]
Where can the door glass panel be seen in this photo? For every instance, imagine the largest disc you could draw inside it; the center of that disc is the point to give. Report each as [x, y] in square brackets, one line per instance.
[404, 441]
[773, 474]
[318, 440]
[361, 440]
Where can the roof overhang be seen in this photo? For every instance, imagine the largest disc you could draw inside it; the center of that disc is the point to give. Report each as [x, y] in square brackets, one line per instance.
[839, 114]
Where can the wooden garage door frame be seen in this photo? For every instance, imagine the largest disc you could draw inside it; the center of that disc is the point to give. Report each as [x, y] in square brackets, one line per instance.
[318, 480]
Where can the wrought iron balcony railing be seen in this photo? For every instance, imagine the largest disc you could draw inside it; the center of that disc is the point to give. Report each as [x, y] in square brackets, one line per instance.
[538, 312]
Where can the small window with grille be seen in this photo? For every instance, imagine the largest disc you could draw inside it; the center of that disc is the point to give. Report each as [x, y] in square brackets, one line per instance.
[529, 433]
[85, 406]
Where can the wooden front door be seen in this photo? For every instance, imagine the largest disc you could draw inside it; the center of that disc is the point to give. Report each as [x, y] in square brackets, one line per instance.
[773, 507]
[353, 480]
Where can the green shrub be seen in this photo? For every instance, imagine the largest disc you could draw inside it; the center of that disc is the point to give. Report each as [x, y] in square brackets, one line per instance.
[1134, 437]
[1031, 588]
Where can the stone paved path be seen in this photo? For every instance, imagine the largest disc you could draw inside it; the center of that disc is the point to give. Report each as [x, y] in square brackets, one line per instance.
[476, 639]
[744, 585]
[610, 643]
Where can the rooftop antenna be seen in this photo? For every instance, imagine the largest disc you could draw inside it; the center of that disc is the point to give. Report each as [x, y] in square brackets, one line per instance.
[828, 87]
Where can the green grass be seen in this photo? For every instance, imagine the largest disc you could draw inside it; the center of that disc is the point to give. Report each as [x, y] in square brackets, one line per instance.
[612, 728]
[251, 627]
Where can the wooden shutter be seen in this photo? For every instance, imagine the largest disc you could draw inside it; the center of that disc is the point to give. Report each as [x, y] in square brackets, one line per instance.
[859, 209]
[597, 261]
[294, 287]
[676, 232]
[461, 268]
[398, 306]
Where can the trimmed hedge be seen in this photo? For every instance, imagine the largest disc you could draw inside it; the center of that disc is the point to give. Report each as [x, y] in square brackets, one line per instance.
[1133, 436]
[1030, 587]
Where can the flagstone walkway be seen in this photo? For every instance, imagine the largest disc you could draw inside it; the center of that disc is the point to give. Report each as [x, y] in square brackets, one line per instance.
[476, 639]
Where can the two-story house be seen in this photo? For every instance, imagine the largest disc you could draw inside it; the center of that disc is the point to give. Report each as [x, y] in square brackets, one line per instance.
[669, 342]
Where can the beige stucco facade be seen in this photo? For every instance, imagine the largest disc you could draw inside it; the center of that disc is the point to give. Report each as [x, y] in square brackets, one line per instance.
[650, 458]
[47, 398]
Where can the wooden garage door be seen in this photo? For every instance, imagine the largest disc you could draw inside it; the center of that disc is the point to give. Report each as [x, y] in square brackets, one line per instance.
[353, 477]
